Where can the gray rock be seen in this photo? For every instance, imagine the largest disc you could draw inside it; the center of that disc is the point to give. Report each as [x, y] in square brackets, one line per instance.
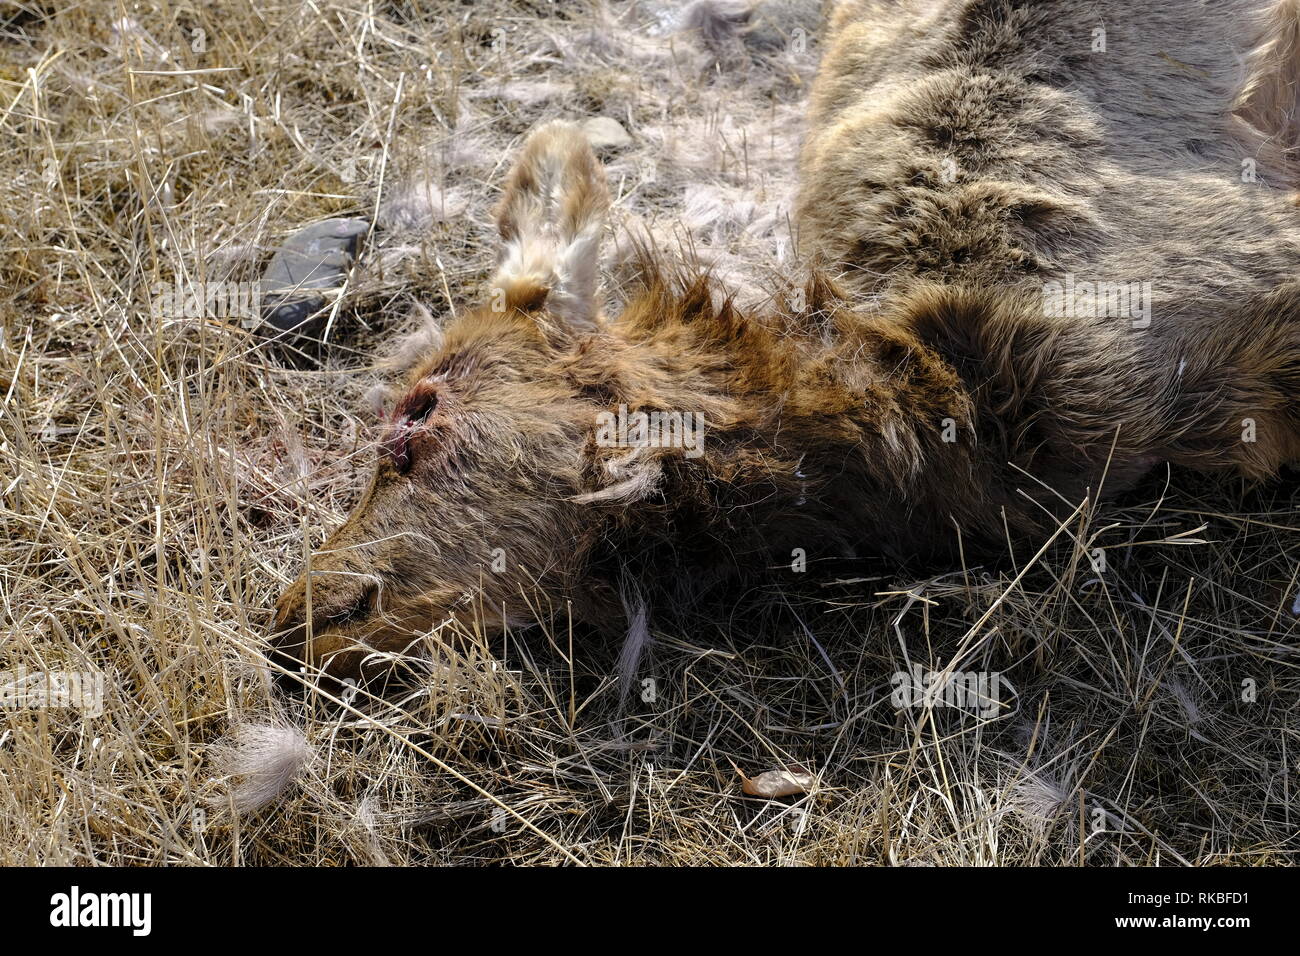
[314, 258]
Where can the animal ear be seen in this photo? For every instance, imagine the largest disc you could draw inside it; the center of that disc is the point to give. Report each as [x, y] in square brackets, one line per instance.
[551, 219]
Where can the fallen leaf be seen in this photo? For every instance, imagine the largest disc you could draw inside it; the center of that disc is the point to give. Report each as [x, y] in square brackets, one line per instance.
[777, 783]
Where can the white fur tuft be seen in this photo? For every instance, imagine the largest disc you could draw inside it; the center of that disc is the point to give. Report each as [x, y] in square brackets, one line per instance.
[263, 760]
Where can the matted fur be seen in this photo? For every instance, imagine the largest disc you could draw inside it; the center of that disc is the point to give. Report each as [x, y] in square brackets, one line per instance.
[928, 407]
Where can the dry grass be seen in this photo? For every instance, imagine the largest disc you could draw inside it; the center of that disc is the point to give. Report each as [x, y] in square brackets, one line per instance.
[162, 478]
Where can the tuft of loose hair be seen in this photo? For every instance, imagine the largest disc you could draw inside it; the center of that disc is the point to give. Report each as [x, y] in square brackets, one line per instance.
[635, 644]
[263, 760]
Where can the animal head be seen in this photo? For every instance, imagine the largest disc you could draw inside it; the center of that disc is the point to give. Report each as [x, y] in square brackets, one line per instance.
[488, 491]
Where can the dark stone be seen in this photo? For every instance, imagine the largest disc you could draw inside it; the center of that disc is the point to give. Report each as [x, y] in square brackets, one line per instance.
[315, 258]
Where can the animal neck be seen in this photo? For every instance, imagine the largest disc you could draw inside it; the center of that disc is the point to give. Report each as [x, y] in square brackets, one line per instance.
[838, 433]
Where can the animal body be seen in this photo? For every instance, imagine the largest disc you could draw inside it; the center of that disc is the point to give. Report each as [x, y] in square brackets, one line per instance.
[1045, 259]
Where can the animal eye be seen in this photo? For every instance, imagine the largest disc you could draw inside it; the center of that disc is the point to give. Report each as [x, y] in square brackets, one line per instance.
[358, 609]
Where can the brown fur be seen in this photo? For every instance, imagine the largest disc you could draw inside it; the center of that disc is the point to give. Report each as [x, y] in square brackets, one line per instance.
[900, 414]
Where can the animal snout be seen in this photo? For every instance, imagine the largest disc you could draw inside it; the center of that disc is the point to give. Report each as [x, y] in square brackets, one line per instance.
[288, 637]
[311, 623]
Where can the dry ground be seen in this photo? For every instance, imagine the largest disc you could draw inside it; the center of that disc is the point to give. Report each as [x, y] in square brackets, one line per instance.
[162, 476]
